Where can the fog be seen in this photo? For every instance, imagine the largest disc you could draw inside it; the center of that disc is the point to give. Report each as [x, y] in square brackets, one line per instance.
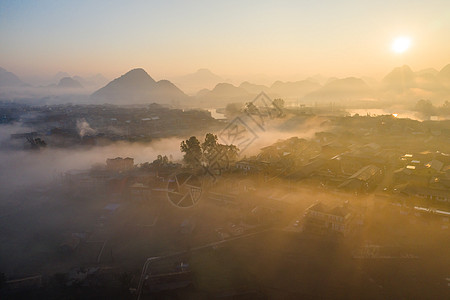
[22, 168]
[246, 227]
[346, 201]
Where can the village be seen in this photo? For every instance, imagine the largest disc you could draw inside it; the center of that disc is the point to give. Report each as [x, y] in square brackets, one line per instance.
[363, 189]
[68, 125]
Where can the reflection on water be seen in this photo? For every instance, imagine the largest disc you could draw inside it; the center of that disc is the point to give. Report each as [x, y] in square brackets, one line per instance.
[378, 112]
[216, 115]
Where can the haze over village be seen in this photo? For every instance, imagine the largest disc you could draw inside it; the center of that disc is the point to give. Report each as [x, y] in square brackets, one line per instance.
[257, 150]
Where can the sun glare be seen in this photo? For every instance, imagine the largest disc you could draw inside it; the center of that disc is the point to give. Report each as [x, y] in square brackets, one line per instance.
[401, 44]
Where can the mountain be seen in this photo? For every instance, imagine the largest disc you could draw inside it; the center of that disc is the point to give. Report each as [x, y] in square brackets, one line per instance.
[58, 76]
[293, 89]
[427, 71]
[137, 86]
[222, 94]
[201, 79]
[227, 90]
[286, 90]
[427, 81]
[254, 88]
[349, 88]
[444, 75]
[69, 83]
[10, 79]
[400, 78]
[94, 81]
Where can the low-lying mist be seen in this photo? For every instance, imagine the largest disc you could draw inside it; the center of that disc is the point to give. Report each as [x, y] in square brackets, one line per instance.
[22, 168]
[27, 168]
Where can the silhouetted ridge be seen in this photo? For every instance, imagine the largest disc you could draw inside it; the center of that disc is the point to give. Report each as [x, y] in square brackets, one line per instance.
[68, 82]
[137, 86]
[10, 79]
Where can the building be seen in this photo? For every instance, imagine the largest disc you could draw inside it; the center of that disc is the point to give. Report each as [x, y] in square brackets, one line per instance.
[321, 220]
[432, 194]
[364, 179]
[120, 164]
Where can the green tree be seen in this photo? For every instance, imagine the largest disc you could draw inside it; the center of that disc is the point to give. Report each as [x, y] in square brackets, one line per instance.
[192, 151]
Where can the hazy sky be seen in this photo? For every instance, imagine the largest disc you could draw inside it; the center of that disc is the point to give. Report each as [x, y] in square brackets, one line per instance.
[231, 38]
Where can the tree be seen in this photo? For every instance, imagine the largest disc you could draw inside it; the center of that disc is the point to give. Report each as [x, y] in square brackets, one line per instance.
[209, 146]
[221, 157]
[160, 161]
[425, 107]
[446, 108]
[278, 103]
[251, 108]
[233, 109]
[210, 153]
[192, 152]
[232, 152]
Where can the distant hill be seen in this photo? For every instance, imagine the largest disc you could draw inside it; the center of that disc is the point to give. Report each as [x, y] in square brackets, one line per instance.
[58, 76]
[137, 86]
[400, 78]
[9, 79]
[254, 88]
[428, 71]
[69, 83]
[246, 91]
[444, 75]
[221, 95]
[294, 89]
[94, 81]
[350, 88]
[227, 90]
[201, 79]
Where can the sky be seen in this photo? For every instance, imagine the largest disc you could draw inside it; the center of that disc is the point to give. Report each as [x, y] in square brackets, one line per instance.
[279, 39]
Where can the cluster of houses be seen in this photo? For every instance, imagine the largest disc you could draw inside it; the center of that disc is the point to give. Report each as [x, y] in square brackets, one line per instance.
[357, 168]
[424, 175]
[328, 162]
[67, 125]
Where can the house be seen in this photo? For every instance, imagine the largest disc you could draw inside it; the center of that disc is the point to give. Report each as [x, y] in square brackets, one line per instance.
[307, 170]
[320, 219]
[418, 172]
[353, 162]
[120, 164]
[441, 195]
[250, 166]
[364, 179]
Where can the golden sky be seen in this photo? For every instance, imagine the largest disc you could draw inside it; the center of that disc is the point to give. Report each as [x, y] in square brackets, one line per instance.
[281, 39]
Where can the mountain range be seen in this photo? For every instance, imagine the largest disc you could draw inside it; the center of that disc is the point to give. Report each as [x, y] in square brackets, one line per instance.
[194, 82]
[401, 85]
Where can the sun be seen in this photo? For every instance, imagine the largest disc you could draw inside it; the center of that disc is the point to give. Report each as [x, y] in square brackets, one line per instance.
[401, 44]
